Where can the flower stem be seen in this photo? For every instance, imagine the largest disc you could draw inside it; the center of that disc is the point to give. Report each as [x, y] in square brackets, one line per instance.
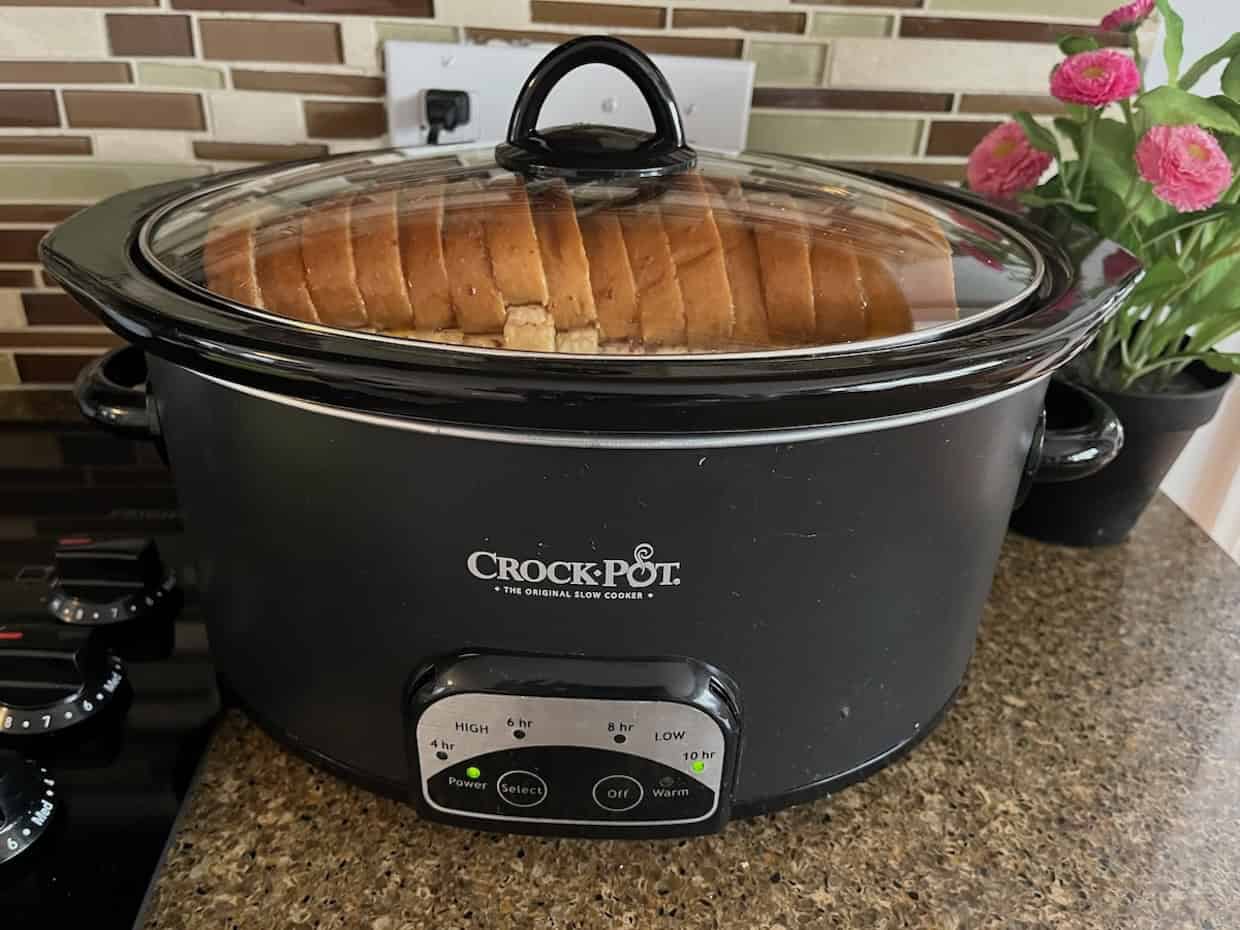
[1191, 243]
[1103, 343]
[1130, 208]
[1087, 145]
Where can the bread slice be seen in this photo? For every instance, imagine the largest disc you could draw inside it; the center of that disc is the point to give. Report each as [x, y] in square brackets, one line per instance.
[479, 305]
[513, 245]
[698, 255]
[619, 348]
[920, 259]
[583, 341]
[660, 308]
[422, 257]
[531, 328]
[327, 252]
[569, 299]
[839, 304]
[484, 340]
[281, 272]
[376, 253]
[611, 274]
[228, 256]
[887, 309]
[740, 258]
[782, 238]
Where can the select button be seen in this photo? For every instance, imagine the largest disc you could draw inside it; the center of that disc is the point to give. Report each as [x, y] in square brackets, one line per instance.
[618, 793]
[521, 788]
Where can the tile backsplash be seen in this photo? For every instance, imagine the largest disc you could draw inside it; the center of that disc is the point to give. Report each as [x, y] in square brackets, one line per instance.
[100, 95]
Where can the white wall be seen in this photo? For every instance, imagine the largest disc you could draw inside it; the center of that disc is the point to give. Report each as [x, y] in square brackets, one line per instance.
[1206, 479]
[1206, 24]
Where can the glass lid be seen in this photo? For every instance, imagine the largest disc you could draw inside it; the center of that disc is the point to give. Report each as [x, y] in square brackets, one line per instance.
[631, 252]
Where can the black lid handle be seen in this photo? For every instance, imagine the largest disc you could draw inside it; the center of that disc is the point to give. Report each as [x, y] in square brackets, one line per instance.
[589, 151]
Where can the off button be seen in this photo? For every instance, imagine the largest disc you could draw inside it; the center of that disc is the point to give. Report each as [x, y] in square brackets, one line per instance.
[521, 788]
[618, 793]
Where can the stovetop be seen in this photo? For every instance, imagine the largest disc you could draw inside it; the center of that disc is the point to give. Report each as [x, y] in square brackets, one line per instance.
[102, 718]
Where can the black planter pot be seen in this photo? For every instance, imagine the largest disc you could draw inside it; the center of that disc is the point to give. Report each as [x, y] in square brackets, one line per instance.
[1103, 508]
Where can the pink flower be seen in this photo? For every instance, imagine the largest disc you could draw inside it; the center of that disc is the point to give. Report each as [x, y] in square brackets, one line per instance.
[1095, 78]
[1185, 164]
[1004, 163]
[1129, 16]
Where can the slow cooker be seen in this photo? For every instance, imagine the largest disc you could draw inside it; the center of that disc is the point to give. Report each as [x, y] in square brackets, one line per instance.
[590, 484]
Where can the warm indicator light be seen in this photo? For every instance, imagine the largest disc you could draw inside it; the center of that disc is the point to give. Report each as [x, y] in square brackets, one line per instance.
[473, 772]
[698, 766]
[11, 634]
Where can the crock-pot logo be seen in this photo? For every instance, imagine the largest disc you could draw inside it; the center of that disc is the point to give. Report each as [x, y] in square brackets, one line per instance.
[639, 572]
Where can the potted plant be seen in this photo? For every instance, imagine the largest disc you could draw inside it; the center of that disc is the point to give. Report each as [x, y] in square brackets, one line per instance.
[1155, 170]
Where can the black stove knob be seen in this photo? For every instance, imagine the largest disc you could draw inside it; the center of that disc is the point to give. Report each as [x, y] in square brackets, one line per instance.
[101, 583]
[53, 677]
[28, 801]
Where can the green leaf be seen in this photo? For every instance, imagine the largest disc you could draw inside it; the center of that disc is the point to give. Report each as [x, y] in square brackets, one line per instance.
[1231, 78]
[1163, 275]
[1111, 211]
[1182, 222]
[1224, 102]
[1170, 106]
[1173, 45]
[1223, 361]
[1230, 143]
[1220, 282]
[1038, 135]
[1038, 200]
[1207, 61]
[1215, 330]
[1071, 130]
[1111, 166]
[1110, 208]
[1074, 45]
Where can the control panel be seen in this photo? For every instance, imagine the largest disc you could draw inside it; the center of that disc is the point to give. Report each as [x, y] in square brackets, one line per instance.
[574, 746]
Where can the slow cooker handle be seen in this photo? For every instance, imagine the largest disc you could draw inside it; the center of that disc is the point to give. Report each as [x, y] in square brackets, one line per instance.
[589, 151]
[1083, 434]
[111, 392]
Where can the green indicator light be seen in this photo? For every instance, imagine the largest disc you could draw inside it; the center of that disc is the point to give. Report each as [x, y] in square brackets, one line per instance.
[473, 772]
[698, 766]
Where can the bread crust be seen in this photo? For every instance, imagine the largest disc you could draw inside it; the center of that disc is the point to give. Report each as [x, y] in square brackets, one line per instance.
[697, 252]
[327, 254]
[569, 297]
[375, 234]
[422, 257]
[611, 275]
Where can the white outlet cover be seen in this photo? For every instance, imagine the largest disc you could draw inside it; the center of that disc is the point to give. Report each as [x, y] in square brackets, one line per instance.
[713, 94]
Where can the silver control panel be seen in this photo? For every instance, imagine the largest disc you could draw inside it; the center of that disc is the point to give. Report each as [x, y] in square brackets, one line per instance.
[570, 760]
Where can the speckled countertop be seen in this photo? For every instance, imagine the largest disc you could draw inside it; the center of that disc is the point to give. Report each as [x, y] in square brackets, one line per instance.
[1089, 777]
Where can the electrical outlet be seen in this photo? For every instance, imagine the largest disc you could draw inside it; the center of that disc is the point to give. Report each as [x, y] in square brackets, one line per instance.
[713, 94]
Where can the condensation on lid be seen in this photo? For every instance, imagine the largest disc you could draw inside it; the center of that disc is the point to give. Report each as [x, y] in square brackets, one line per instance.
[749, 254]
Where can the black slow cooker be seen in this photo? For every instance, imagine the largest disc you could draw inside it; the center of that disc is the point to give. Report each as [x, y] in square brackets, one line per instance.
[611, 575]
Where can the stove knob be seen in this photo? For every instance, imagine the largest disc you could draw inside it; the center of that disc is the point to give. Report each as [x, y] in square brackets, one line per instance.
[53, 677]
[28, 801]
[100, 583]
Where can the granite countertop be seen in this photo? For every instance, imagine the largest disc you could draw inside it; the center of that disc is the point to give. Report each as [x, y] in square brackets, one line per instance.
[1089, 777]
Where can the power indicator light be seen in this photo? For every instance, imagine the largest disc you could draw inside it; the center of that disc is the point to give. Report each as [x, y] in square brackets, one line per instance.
[473, 772]
[698, 766]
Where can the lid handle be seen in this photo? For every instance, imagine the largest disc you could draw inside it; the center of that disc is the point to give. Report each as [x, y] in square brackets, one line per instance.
[589, 151]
